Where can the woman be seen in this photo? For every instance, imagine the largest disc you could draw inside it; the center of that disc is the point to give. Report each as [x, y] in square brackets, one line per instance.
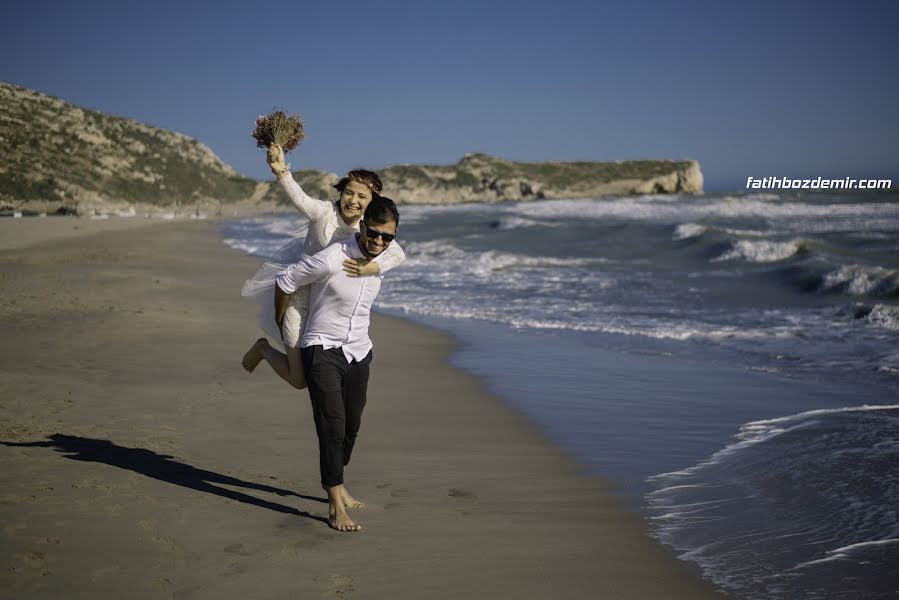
[328, 222]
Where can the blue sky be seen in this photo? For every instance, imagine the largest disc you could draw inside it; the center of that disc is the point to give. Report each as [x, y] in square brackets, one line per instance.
[757, 89]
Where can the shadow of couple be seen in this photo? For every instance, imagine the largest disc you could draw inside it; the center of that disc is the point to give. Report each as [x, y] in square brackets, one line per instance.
[164, 468]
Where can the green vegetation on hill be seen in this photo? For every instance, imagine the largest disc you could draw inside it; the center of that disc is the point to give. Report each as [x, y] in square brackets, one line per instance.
[53, 150]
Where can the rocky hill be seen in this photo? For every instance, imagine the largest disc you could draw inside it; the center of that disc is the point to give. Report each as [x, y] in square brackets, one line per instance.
[58, 156]
[55, 154]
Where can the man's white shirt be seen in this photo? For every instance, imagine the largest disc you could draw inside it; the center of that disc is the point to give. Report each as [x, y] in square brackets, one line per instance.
[339, 305]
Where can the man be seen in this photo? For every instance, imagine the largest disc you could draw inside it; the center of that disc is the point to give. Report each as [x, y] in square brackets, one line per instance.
[335, 347]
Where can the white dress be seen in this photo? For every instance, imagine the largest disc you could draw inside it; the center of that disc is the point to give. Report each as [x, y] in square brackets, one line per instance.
[325, 227]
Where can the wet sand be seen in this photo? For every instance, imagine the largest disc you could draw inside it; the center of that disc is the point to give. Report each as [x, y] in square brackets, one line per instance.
[139, 460]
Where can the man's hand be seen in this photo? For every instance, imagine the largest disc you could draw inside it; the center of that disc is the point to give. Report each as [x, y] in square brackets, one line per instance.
[360, 267]
[276, 160]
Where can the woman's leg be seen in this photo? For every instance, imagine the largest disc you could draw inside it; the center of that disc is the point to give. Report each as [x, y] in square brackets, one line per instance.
[288, 365]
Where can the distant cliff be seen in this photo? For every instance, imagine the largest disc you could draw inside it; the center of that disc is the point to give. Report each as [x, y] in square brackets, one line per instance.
[55, 155]
[483, 178]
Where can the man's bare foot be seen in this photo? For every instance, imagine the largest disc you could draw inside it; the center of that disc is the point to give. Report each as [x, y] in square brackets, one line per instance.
[349, 501]
[344, 495]
[342, 522]
[337, 516]
[254, 355]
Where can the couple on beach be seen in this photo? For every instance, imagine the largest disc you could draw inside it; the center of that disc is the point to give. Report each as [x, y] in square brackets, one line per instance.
[322, 305]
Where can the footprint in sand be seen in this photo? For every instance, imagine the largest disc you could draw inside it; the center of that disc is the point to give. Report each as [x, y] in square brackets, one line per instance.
[341, 585]
[237, 549]
[50, 540]
[457, 493]
[100, 573]
[31, 562]
[235, 568]
[462, 495]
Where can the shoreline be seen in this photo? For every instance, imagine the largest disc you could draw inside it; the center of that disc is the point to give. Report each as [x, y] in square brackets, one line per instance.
[121, 351]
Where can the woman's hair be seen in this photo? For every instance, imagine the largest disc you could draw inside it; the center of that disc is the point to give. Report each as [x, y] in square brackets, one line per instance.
[381, 210]
[363, 176]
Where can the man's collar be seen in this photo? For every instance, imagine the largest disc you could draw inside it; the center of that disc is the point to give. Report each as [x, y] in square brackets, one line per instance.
[355, 248]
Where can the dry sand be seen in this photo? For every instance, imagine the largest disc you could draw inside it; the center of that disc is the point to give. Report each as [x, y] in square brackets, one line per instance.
[138, 460]
[28, 231]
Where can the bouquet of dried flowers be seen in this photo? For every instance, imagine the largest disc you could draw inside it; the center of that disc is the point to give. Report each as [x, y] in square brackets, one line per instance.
[279, 128]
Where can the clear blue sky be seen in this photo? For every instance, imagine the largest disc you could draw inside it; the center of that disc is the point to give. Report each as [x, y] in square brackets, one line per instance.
[753, 88]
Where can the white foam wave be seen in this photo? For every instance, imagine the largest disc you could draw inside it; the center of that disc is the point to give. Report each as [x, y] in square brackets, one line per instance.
[846, 552]
[762, 251]
[889, 364]
[506, 223]
[885, 316]
[756, 432]
[785, 216]
[255, 247]
[610, 322]
[748, 232]
[688, 231]
[290, 227]
[860, 280]
[791, 493]
[441, 251]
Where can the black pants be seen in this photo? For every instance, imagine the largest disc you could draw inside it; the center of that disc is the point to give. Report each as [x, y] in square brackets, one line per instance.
[337, 390]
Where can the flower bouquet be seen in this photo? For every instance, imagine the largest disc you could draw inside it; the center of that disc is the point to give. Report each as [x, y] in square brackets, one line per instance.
[279, 128]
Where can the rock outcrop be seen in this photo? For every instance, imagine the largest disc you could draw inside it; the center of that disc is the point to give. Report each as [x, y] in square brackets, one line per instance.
[484, 178]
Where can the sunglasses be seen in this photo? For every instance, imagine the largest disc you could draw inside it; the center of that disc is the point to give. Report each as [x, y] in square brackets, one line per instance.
[374, 234]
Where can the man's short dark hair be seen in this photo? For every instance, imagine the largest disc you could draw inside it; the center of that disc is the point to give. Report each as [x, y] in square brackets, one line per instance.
[381, 210]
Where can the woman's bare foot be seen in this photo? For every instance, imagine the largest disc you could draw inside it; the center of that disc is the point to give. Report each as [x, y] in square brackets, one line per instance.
[254, 355]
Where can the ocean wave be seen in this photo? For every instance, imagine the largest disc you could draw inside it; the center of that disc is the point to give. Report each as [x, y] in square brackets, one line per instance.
[545, 314]
[761, 430]
[885, 316]
[513, 222]
[688, 231]
[255, 247]
[288, 227]
[785, 215]
[763, 251]
[861, 280]
[446, 253]
[766, 515]
[849, 552]
[889, 364]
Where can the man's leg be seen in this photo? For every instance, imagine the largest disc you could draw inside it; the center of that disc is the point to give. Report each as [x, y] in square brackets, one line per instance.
[355, 390]
[325, 372]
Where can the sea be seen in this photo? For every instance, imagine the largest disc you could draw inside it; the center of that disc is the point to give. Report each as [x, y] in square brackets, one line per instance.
[730, 361]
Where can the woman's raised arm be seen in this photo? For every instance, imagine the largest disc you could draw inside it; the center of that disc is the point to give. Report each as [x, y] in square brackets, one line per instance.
[313, 208]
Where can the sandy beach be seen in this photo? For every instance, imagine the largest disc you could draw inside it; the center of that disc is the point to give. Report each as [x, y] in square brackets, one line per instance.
[138, 460]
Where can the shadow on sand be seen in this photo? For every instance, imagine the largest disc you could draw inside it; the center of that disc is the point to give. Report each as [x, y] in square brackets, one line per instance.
[163, 468]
